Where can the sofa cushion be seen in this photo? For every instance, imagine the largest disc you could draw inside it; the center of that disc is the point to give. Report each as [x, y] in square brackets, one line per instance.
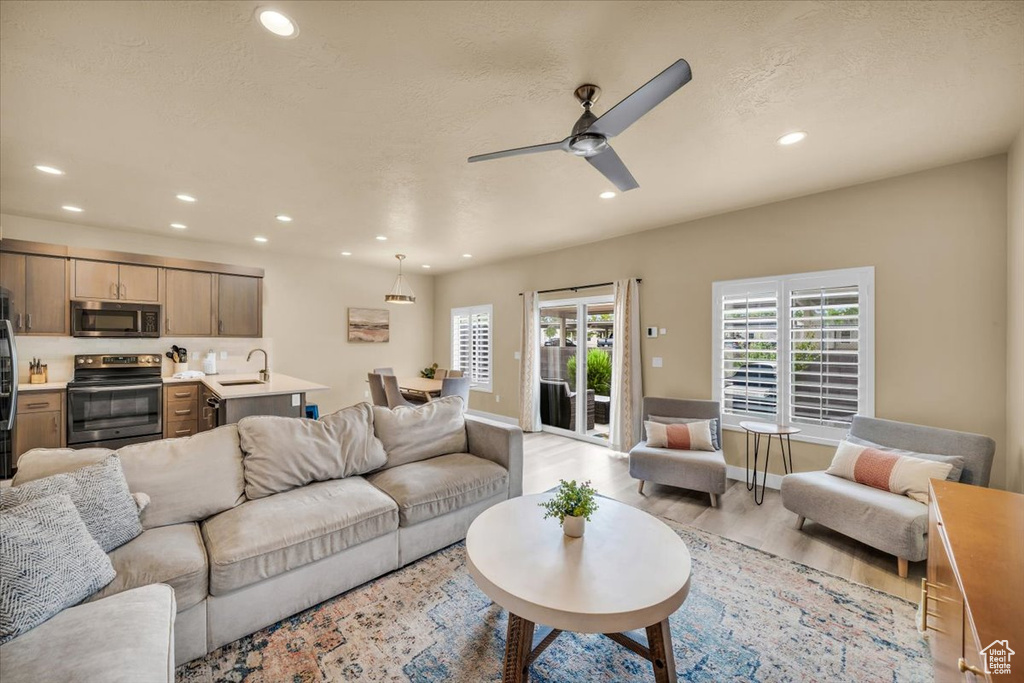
[169, 554]
[127, 638]
[696, 470]
[48, 562]
[282, 453]
[187, 479]
[269, 536]
[45, 462]
[99, 493]
[430, 488]
[888, 521]
[412, 433]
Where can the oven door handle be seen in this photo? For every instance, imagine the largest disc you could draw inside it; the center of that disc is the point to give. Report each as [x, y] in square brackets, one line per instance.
[96, 390]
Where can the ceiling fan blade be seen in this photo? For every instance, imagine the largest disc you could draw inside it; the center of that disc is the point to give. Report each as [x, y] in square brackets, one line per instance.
[534, 149]
[611, 166]
[647, 97]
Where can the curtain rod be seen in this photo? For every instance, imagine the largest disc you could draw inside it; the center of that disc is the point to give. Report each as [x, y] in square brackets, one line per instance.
[578, 287]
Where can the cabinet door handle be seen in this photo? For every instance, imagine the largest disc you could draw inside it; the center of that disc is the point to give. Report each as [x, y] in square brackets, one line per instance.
[37, 405]
[183, 412]
[56, 425]
[964, 667]
[124, 291]
[182, 394]
[167, 324]
[18, 325]
[28, 320]
[220, 327]
[113, 290]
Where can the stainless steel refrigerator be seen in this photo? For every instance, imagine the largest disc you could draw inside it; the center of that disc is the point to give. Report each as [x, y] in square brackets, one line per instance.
[8, 386]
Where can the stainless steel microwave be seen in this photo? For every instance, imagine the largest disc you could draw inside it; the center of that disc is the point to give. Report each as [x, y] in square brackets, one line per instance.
[114, 319]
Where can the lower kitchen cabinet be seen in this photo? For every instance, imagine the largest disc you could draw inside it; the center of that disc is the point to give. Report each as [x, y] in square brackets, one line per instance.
[39, 422]
[181, 409]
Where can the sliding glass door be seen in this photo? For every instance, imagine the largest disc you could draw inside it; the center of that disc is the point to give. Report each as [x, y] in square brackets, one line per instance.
[576, 366]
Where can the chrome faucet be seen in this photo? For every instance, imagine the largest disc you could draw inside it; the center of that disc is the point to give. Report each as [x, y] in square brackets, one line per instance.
[265, 372]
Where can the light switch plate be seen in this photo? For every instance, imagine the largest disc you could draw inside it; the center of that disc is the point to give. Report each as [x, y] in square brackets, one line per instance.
[664, 331]
[518, 356]
[223, 355]
[656, 361]
[296, 400]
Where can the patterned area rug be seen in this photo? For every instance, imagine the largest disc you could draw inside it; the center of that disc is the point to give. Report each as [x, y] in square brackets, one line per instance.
[750, 616]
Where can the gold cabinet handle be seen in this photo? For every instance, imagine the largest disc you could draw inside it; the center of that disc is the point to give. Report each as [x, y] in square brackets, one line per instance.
[965, 667]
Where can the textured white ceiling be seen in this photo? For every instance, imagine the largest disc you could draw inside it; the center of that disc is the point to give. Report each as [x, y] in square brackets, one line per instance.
[361, 125]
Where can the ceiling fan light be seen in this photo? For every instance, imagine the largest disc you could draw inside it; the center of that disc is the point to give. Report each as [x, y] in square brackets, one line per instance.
[401, 292]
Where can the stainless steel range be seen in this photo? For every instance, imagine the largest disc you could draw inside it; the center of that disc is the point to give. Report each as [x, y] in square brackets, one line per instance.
[114, 401]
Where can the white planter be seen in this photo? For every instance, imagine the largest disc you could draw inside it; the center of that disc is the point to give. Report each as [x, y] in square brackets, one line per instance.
[574, 526]
[180, 367]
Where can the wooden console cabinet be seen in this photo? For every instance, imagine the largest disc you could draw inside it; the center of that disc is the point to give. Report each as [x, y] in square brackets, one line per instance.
[973, 596]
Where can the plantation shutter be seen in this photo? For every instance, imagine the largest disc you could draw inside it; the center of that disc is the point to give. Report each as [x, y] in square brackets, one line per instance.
[749, 353]
[471, 345]
[825, 355]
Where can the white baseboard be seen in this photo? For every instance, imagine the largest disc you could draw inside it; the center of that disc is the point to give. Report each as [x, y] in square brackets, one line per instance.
[494, 416]
[772, 481]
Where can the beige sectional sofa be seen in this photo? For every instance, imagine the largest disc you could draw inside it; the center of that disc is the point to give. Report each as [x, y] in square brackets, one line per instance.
[238, 564]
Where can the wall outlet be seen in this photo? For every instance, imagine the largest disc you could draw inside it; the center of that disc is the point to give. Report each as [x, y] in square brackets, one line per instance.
[296, 400]
[652, 332]
[194, 355]
[223, 355]
[366, 394]
[656, 361]
[497, 399]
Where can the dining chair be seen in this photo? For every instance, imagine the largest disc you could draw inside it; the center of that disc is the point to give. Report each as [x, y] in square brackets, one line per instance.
[377, 393]
[383, 371]
[440, 373]
[456, 386]
[394, 393]
[455, 373]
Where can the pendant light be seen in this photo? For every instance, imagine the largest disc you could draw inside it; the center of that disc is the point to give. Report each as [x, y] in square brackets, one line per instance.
[401, 293]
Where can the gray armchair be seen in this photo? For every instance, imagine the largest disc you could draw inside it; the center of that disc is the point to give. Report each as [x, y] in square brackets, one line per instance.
[696, 470]
[888, 521]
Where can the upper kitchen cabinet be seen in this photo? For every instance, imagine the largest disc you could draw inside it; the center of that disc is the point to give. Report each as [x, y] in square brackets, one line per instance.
[239, 306]
[115, 281]
[37, 287]
[188, 304]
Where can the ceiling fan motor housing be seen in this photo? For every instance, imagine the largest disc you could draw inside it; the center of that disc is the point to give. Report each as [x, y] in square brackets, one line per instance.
[582, 143]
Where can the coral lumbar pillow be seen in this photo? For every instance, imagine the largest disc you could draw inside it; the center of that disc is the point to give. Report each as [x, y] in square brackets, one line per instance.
[692, 436]
[887, 470]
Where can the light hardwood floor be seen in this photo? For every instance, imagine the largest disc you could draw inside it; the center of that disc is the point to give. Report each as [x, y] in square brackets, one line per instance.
[769, 527]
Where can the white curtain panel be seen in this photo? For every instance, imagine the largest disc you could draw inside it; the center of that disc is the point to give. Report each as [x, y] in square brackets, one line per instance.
[529, 365]
[627, 382]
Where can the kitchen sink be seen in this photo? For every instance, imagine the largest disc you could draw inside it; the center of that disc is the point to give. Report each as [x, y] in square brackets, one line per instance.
[239, 382]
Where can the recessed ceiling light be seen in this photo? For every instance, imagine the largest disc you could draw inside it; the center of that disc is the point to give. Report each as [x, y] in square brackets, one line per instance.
[72, 209]
[381, 238]
[467, 256]
[49, 169]
[284, 219]
[792, 138]
[425, 266]
[277, 23]
[178, 226]
[260, 239]
[608, 194]
[346, 253]
[185, 198]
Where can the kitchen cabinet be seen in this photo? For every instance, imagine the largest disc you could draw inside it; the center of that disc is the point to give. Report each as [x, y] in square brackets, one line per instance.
[188, 304]
[38, 287]
[239, 306]
[181, 409]
[115, 281]
[39, 422]
[207, 414]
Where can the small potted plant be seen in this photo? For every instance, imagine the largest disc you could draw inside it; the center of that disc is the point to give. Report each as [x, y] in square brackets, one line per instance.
[428, 373]
[572, 505]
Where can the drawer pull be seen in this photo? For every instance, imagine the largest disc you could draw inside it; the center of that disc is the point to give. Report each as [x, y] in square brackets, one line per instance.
[183, 431]
[37, 405]
[965, 667]
[183, 412]
[182, 394]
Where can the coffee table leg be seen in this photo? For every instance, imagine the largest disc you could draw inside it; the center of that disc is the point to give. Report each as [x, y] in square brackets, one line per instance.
[518, 644]
[659, 641]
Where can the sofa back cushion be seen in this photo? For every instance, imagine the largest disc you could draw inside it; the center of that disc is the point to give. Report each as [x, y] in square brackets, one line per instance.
[187, 479]
[46, 462]
[413, 433]
[283, 453]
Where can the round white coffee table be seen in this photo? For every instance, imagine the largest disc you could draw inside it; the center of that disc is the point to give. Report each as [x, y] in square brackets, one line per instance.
[629, 571]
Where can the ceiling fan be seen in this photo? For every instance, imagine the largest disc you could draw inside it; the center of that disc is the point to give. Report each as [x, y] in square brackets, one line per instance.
[589, 137]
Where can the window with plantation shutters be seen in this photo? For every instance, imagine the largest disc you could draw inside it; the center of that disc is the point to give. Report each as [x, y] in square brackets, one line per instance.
[796, 349]
[471, 344]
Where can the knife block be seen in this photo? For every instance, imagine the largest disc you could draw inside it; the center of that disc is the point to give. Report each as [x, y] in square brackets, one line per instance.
[38, 377]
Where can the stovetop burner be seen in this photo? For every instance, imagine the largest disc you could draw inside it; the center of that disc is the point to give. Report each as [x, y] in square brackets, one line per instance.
[113, 370]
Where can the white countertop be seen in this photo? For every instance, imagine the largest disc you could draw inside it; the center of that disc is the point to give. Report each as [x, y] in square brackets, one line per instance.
[46, 386]
[278, 384]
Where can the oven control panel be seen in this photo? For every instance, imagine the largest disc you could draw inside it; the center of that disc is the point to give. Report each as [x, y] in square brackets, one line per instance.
[102, 361]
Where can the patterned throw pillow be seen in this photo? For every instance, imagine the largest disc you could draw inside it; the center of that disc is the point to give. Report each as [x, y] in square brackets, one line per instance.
[691, 436]
[687, 420]
[50, 562]
[887, 470]
[957, 461]
[100, 492]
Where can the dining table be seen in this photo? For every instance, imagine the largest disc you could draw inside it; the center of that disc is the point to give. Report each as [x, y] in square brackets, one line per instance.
[420, 385]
